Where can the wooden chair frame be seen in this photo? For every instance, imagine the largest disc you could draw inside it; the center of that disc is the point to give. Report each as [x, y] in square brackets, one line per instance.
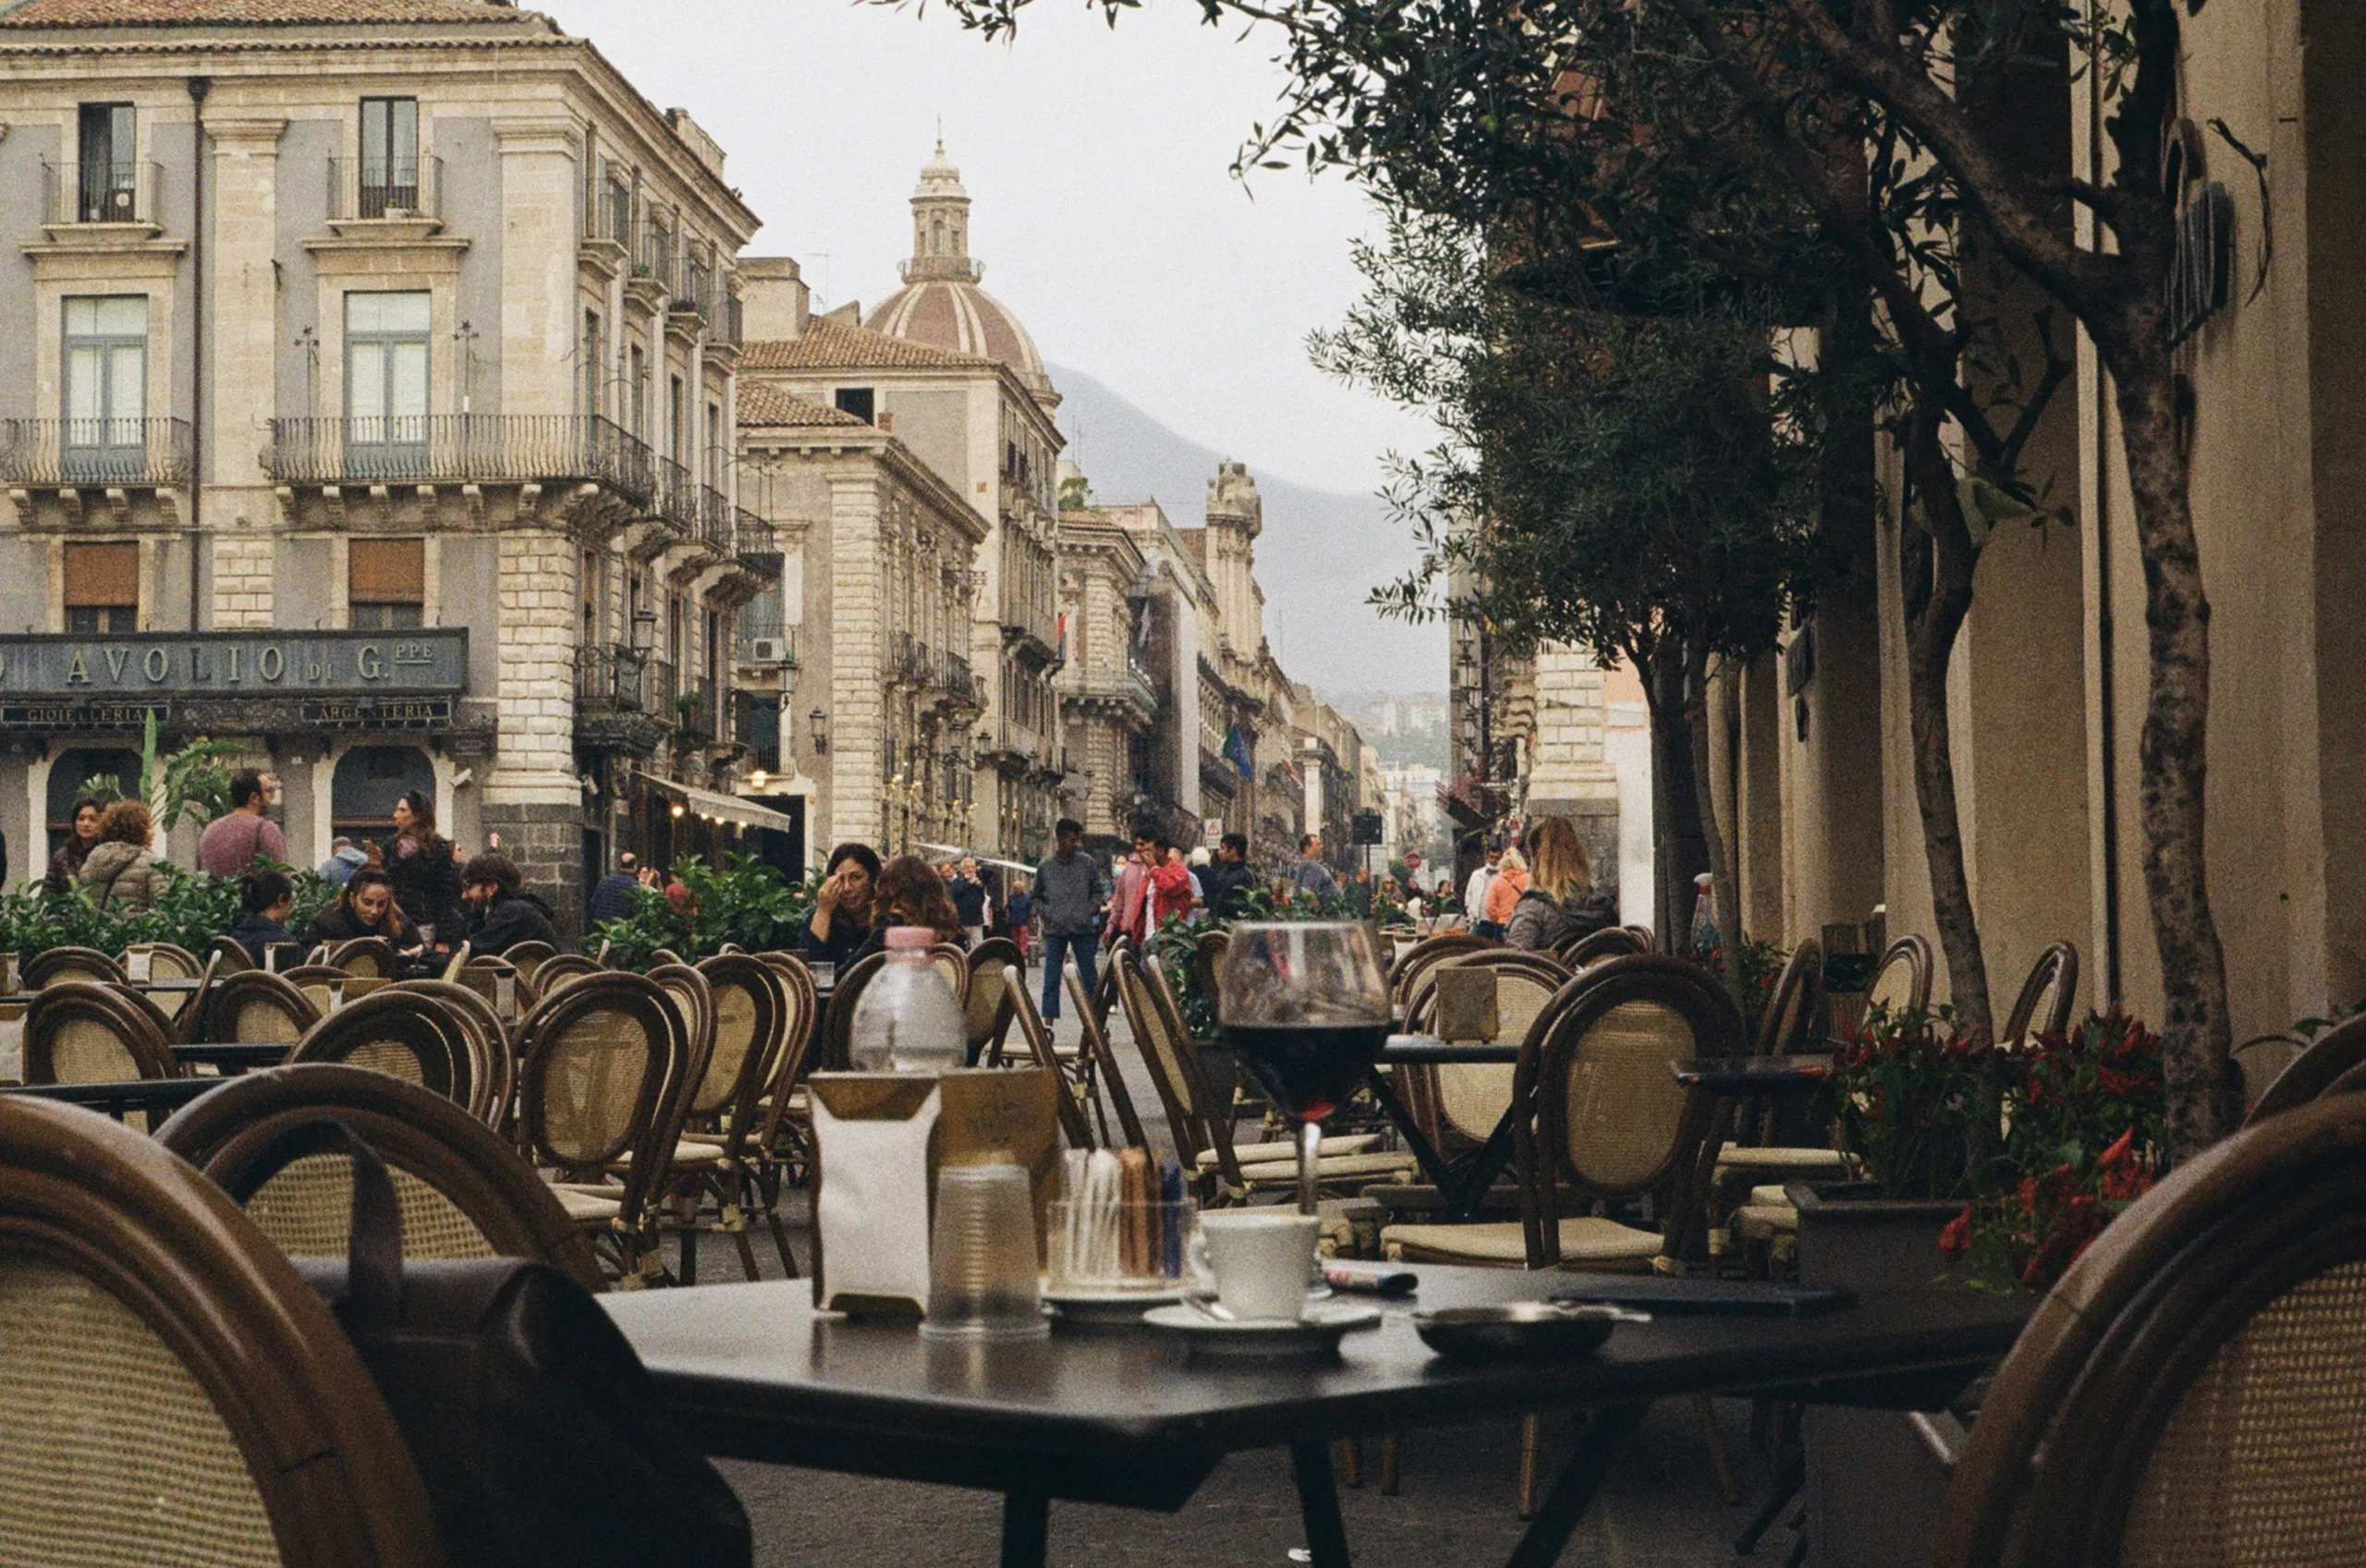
[1031, 1029]
[1098, 1070]
[837, 1025]
[1611, 941]
[2056, 966]
[71, 962]
[417, 1025]
[2322, 1063]
[371, 955]
[985, 1009]
[63, 1001]
[484, 1043]
[1915, 953]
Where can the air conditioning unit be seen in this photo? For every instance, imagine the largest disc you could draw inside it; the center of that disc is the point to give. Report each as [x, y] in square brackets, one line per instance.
[768, 650]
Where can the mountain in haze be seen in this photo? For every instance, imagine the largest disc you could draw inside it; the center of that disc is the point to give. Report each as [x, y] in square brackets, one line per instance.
[1319, 555]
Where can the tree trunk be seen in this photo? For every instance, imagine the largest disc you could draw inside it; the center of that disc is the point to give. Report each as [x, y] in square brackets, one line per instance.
[1678, 853]
[2196, 1035]
[1930, 647]
[1725, 903]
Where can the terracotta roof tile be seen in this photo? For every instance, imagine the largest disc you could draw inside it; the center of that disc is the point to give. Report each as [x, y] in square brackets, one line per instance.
[762, 404]
[835, 346]
[249, 13]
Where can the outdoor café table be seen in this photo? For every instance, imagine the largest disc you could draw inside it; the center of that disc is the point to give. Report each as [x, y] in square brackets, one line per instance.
[1120, 1418]
[119, 1099]
[235, 1056]
[167, 987]
[1462, 1182]
[1746, 1077]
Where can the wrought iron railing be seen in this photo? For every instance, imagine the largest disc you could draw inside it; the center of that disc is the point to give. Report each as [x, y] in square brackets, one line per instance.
[750, 535]
[697, 286]
[715, 523]
[115, 452]
[695, 708]
[607, 207]
[664, 687]
[396, 449]
[959, 680]
[726, 319]
[613, 677]
[674, 495]
[658, 255]
[755, 724]
[386, 188]
[117, 191]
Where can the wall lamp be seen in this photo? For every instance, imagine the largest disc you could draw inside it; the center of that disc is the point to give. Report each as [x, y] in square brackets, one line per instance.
[818, 725]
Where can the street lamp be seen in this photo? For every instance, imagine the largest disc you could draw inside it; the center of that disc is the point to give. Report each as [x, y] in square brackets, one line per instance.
[818, 726]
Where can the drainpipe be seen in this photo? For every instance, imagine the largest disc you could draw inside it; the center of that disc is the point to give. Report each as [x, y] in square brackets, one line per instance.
[2106, 696]
[198, 86]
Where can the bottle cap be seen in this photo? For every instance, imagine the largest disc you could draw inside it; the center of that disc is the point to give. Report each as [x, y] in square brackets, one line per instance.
[910, 938]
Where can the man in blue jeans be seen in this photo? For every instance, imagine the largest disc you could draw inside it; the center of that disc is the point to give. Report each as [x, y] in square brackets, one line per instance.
[1071, 894]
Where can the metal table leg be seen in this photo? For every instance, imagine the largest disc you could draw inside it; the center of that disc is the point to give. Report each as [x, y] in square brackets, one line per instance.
[1605, 1434]
[1026, 1530]
[1318, 1504]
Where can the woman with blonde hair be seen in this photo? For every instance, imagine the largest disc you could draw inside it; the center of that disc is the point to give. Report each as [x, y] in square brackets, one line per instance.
[1560, 903]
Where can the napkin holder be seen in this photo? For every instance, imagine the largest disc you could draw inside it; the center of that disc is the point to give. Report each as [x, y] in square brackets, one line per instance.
[1003, 1116]
[871, 1185]
[1467, 1007]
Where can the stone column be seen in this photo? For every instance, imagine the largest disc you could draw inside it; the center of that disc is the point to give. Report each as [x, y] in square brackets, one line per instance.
[242, 346]
[1571, 775]
[541, 319]
[858, 649]
[533, 797]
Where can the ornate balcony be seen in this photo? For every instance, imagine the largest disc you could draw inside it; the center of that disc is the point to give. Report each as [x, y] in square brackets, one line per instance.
[121, 460]
[119, 194]
[462, 449]
[387, 190]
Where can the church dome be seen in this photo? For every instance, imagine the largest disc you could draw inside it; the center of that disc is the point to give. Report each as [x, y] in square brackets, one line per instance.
[941, 303]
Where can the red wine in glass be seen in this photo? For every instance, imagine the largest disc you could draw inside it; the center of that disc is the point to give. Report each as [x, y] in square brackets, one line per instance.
[1310, 1069]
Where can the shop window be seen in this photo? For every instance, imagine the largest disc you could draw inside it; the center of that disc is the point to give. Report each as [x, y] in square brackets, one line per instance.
[386, 583]
[71, 774]
[368, 781]
[101, 589]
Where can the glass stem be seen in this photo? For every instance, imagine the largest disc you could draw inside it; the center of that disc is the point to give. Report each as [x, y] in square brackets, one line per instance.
[1310, 1149]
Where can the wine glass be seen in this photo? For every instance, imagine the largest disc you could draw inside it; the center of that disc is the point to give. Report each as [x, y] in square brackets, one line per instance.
[1305, 1006]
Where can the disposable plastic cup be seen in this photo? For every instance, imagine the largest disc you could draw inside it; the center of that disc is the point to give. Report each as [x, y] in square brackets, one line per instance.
[983, 1280]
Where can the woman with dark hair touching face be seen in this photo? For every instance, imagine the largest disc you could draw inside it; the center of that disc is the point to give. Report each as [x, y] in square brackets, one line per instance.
[419, 862]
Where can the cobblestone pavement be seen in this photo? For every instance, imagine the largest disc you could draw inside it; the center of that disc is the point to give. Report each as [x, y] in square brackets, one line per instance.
[1454, 1505]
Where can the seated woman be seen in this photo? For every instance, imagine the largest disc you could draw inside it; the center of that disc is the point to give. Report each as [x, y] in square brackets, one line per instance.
[1561, 902]
[265, 900]
[841, 922]
[912, 893]
[364, 906]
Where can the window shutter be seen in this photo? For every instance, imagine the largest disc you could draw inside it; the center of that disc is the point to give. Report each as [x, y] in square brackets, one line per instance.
[387, 571]
[105, 576]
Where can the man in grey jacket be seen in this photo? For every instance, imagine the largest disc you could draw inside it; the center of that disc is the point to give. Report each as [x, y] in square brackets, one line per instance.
[1071, 894]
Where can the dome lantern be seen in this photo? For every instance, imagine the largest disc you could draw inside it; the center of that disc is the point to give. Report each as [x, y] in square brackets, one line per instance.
[941, 225]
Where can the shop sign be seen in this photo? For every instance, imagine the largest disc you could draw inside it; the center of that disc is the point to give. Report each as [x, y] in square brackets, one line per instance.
[96, 671]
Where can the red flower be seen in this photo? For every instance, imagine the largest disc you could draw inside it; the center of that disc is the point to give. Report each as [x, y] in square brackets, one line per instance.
[1956, 1240]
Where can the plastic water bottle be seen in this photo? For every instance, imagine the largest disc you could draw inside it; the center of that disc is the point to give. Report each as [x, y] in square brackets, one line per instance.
[908, 1019]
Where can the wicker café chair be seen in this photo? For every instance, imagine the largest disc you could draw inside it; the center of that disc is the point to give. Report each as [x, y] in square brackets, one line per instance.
[175, 1392]
[2319, 1065]
[1611, 941]
[484, 973]
[1199, 1113]
[953, 962]
[2044, 1006]
[1755, 1155]
[1598, 1117]
[232, 959]
[1416, 959]
[985, 1008]
[253, 1005]
[603, 1067]
[53, 964]
[530, 956]
[837, 1025]
[2193, 1391]
[1644, 935]
[1902, 980]
[463, 1190]
[777, 1154]
[1458, 1106]
[491, 1063]
[1074, 1125]
[560, 969]
[166, 960]
[370, 956]
[1103, 1085]
[83, 1032]
[1208, 955]
[397, 1033]
[741, 1006]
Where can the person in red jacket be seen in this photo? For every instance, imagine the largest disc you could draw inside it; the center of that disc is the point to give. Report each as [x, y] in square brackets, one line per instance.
[1170, 882]
[1129, 894]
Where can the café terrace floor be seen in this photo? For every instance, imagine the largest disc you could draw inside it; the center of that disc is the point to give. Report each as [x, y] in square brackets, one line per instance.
[1454, 1505]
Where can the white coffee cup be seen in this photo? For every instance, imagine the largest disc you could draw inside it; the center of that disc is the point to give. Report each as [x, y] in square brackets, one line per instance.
[1262, 1259]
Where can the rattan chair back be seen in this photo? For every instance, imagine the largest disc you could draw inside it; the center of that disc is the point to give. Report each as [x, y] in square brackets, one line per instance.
[1611, 941]
[530, 956]
[1469, 1097]
[694, 1001]
[601, 1067]
[1902, 980]
[1031, 1029]
[801, 1033]
[368, 955]
[560, 969]
[175, 1393]
[837, 1025]
[2044, 1006]
[484, 974]
[2322, 1063]
[1795, 1011]
[1597, 1113]
[1415, 960]
[228, 957]
[1108, 1081]
[53, 964]
[254, 1006]
[463, 1190]
[1644, 935]
[84, 1032]
[748, 1005]
[396, 1032]
[483, 1057]
[166, 960]
[953, 963]
[2193, 1391]
[1208, 955]
[986, 1011]
[1197, 1118]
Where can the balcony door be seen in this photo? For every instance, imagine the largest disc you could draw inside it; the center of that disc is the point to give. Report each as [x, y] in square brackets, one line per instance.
[106, 184]
[389, 157]
[386, 385]
[106, 388]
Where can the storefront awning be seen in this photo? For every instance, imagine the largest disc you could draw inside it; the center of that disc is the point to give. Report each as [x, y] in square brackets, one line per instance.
[721, 807]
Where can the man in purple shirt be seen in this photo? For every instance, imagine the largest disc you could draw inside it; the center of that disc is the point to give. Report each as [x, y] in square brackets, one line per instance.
[231, 844]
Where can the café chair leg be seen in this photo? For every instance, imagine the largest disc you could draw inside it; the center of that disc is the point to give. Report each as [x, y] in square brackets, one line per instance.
[1026, 1530]
[1318, 1503]
[1532, 1445]
[1351, 1461]
[1726, 1486]
[1391, 1449]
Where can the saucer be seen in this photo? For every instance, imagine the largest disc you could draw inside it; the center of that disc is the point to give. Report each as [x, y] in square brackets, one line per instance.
[1316, 1333]
[1109, 1306]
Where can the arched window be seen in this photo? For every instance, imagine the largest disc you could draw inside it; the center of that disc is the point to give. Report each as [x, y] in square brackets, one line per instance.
[936, 237]
[77, 768]
[368, 780]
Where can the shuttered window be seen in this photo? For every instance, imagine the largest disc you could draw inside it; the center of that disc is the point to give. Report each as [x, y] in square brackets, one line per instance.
[386, 583]
[101, 588]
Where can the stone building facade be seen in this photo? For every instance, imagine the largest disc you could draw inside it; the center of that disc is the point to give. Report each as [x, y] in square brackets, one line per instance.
[368, 399]
[1108, 683]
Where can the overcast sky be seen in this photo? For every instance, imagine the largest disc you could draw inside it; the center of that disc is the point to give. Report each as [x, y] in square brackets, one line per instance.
[1096, 161]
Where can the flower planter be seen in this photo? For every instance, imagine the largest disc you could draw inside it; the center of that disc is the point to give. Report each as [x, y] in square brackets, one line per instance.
[1875, 1477]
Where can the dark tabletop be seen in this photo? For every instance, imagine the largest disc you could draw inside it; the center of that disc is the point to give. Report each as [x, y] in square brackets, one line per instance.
[1754, 1075]
[236, 1054]
[168, 988]
[1411, 1051]
[135, 1094]
[1122, 1416]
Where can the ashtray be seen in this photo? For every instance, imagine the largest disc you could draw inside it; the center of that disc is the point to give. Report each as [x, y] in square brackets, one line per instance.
[1521, 1331]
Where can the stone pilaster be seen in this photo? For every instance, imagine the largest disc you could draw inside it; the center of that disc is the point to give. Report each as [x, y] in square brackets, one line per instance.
[1570, 773]
[542, 321]
[243, 348]
[858, 653]
[531, 795]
